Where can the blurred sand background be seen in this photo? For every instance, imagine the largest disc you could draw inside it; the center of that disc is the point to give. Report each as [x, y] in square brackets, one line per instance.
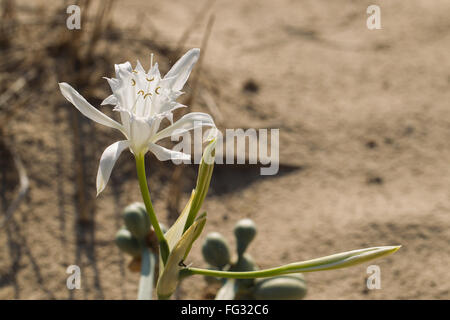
[364, 125]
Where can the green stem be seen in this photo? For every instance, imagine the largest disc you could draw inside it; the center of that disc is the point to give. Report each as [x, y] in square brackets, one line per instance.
[232, 274]
[163, 245]
[147, 274]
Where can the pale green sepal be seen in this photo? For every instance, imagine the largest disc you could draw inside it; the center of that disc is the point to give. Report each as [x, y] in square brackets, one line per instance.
[168, 280]
[173, 235]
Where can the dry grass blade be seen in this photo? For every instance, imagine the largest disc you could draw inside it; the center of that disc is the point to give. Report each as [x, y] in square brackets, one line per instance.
[23, 185]
[195, 21]
[16, 87]
[198, 72]
[8, 110]
[211, 104]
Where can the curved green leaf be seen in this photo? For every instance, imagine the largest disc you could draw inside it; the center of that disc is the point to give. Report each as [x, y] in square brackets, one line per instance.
[168, 279]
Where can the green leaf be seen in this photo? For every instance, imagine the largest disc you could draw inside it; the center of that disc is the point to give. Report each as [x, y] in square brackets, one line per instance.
[168, 279]
[173, 235]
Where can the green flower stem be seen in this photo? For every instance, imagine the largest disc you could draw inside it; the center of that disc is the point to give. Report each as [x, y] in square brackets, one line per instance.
[163, 245]
[335, 261]
[234, 275]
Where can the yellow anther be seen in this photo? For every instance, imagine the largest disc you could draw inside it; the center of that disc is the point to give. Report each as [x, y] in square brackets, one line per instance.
[156, 90]
[141, 92]
[147, 94]
[150, 80]
[134, 71]
[133, 82]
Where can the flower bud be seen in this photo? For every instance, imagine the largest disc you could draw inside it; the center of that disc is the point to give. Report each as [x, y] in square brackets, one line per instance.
[245, 231]
[286, 287]
[127, 243]
[137, 220]
[216, 250]
[205, 171]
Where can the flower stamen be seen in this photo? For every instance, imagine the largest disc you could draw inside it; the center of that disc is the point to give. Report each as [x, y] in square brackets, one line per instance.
[156, 90]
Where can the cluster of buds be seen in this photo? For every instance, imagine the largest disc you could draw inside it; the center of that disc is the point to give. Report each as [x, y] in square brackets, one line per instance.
[217, 254]
[137, 232]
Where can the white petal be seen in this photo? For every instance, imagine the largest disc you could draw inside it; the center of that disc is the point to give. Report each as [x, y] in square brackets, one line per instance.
[122, 67]
[125, 94]
[179, 73]
[107, 161]
[139, 67]
[170, 107]
[140, 133]
[113, 83]
[187, 122]
[155, 122]
[163, 105]
[110, 100]
[86, 108]
[163, 154]
[125, 118]
[154, 71]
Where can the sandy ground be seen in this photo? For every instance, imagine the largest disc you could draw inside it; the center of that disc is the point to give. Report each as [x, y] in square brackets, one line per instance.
[364, 119]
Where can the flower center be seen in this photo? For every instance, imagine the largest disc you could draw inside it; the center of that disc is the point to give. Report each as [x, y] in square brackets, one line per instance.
[146, 88]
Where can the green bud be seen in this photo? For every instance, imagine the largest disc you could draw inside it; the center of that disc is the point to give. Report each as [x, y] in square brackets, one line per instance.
[286, 287]
[137, 220]
[127, 243]
[205, 171]
[245, 231]
[216, 250]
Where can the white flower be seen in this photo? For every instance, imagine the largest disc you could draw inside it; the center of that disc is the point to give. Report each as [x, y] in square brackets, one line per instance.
[143, 100]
